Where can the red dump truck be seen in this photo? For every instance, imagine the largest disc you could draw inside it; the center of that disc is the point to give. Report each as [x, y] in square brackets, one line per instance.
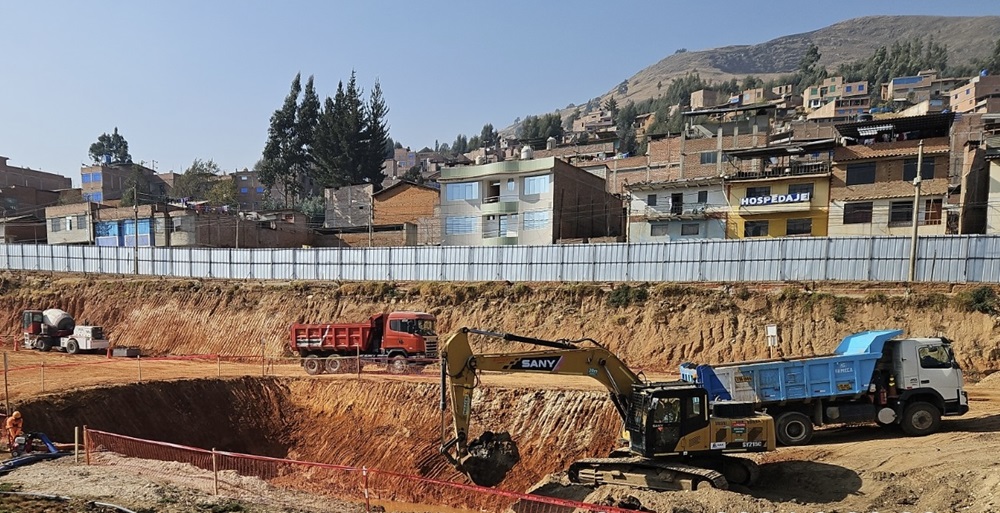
[406, 340]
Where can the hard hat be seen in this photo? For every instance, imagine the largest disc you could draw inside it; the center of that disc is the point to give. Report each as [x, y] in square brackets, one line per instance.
[16, 415]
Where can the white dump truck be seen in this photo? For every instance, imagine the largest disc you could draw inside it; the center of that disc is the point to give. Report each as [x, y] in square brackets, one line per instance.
[56, 329]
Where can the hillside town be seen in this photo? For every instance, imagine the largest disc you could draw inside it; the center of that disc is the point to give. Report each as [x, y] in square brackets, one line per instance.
[764, 163]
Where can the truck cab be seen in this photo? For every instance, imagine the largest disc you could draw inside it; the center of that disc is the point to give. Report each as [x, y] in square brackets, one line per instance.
[407, 333]
[925, 369]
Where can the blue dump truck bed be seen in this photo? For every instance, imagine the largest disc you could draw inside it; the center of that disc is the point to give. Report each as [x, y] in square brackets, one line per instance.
[847, 372]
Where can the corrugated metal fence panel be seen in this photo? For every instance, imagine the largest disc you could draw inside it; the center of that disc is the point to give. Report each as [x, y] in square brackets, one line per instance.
[942, 259]
[516, 263]
[162, 263]
[984, 259]
[721, 260]
[180, 262]
[201, 263]
[890, 259]
[611, 262]
[547, 263]
[802, 259]
[455, 263]
[327, 264]
[239, 263]
[761, 260]
[645, 262]
[377, 264]
[578, 262]
[352, 264]
[681, 262]
[849, 259]
[484, 263]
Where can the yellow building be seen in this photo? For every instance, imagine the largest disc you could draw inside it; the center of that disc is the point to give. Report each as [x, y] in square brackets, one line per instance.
[779, 191]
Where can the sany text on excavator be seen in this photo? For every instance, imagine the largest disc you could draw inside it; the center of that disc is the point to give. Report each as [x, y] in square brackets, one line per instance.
[674, 441]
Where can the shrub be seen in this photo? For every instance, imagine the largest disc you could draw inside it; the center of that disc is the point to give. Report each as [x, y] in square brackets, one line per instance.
[625, 295]
[742, 293]
[982, 300]
[839, 312]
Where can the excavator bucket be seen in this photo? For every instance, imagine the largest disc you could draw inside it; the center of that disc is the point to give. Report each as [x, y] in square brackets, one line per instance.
[490, 458]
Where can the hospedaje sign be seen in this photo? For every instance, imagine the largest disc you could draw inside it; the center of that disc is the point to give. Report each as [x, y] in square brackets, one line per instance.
[775, 199]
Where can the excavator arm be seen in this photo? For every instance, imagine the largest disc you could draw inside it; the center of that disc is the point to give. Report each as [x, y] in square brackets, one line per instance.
[487, 459]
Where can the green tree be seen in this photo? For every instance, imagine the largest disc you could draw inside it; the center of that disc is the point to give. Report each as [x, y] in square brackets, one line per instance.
[626, 131]
[444, 148]
[223, 192]
[611, 105]
[197, 180]
[461, 144]
[306, 121]
[475, 143]
[280, 165]
[376, 131]
[135, 190]
[488, 136]
[352, 138]
[115, 146]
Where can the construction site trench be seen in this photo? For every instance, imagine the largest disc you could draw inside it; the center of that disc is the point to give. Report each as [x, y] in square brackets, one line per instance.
[394, 423]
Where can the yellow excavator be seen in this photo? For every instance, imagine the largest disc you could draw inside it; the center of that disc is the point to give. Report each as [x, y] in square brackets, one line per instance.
[674, 441]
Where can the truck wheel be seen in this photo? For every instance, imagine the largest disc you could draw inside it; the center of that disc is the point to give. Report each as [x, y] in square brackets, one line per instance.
[333, 365]
[398, 365]
[44, 345]
[921, 419]
[72, 346]
[794, 428]
[313, 365]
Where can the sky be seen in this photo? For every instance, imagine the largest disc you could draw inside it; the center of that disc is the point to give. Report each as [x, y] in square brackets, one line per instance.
[186, 79]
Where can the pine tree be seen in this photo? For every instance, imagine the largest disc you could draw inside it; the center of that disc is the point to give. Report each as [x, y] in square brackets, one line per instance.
[278, 167]
[306, 121]
[377, 133]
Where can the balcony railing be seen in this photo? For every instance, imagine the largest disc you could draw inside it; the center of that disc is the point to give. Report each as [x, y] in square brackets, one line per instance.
[661, 211]
[800, 168]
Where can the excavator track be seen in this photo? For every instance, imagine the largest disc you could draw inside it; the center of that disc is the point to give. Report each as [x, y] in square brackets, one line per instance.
[645, 473]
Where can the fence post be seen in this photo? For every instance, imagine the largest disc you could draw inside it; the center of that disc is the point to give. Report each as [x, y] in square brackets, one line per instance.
[215, 472]
[43, 376]
[218, 362]
[357, 360]
[6, 389]
[86, 443]
[138, 364]
[263, 368]
[76, 444]
[368, 505]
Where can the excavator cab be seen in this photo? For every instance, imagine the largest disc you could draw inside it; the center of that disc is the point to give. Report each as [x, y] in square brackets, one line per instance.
[663, 415]
[32, 323]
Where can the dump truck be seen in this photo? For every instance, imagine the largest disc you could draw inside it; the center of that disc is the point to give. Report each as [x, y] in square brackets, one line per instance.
[407, 341]
[672, 441]
[871, 377]
[45, 330]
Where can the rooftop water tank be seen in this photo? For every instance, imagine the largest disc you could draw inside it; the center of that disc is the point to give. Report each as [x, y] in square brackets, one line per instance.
[527, 153]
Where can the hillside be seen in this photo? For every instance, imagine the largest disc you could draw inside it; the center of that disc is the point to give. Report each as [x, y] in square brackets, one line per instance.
[967, 38]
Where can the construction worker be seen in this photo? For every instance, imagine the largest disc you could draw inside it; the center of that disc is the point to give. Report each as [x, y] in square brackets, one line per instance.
[14, 427]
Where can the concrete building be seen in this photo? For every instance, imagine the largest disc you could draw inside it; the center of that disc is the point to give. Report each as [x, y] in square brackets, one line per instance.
[250, 193]
[71, 224]
[25, 177]
[676, 210]
[779, 191]
[841, 109]
[102, 182]
[992, 157]
[758, 95]
[830, 89]
[922, 87]
[348, 206]
[979, 95]
[527, 202]
[704, 99]
[872, 191]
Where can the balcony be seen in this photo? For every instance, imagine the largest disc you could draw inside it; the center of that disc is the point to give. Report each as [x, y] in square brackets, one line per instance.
[494, 205]
[494, 240]
[689, 211]
[796, 169]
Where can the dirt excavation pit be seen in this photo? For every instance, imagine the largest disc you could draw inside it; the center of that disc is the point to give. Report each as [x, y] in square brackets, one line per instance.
[395, 426]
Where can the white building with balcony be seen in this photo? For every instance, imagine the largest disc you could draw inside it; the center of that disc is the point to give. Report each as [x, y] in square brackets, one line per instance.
[677, 210]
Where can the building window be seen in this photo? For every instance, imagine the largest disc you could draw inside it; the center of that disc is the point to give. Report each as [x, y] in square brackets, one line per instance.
[814, 91]
[755, 228]
[703, 197]
[910, 169]
[799, 227]
[658, 229]
[81, 221]
[709, 157]
[244, 178]
[833, 89]
[932, 211]
[860, 173]
[688, 229]
[861, 87]
[651, 200]
[97, 196]
[901, 213]
[758, 192]
[677, 203]
[462, 191]
[459, 225]
[536, 184]
[243, 190]
[85, 177]
[536, 219]
[56, 225]
[801, 188]
[858, 213]
[510, 185]
[95, 177]
[260, 190]
[847, 89]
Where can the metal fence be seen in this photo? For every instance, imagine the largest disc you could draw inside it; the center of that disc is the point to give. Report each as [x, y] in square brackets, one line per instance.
[956, 258]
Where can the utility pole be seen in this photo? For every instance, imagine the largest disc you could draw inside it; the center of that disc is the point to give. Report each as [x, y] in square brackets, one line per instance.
[916, 210]
[371, 219]
[135, 227]
[237, 227]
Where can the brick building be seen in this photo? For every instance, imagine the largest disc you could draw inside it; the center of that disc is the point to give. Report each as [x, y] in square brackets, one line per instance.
[980, 95]
[25, 177]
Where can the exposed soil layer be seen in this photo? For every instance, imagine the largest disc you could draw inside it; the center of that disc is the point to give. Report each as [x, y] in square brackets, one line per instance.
[395, 426]
[707, 323]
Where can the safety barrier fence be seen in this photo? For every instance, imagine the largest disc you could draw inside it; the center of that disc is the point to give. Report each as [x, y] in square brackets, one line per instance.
[282, 482]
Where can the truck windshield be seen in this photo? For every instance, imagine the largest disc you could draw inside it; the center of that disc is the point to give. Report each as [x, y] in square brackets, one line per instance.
[425, 327]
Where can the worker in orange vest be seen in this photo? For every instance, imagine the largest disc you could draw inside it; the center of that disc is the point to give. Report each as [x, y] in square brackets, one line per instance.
[14, 427]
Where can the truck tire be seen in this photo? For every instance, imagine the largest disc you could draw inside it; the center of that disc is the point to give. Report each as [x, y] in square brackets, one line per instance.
[334, 365]
[794, 428]
[72, 346]
[313, 365]
[920, 419]
[398, 365]
[44, 345]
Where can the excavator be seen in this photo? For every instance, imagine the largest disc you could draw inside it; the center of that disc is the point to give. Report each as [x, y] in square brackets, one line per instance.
[671, 439]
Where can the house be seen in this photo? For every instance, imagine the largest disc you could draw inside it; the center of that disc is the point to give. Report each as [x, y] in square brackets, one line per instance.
[101, 182]
[27, 177]
[676, 210]
[26, 229]
[527, 202]
[922, 87]
[250, 192]
[24, 200]
[71, 224]
[830, 89]
[872, 187]
[841, 109]
[348, 206]
[408, 202]
[704, 99]
[992, 156]
[780, 190]
[981, 95]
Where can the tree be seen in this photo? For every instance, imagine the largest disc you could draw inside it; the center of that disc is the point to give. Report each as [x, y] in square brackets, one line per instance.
[279, 165]
[137, 182]
[444, 148]
[488, 136]
[461, 144]
[223, 192]
[306, 120]
[197, 180]
[413, 175]
[611, 105]
[475, 143]
[113, 146]
[626, 131]
[376, 130]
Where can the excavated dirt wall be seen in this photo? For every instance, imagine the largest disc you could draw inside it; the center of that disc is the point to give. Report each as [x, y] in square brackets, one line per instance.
[673, 324]
[390, 426]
